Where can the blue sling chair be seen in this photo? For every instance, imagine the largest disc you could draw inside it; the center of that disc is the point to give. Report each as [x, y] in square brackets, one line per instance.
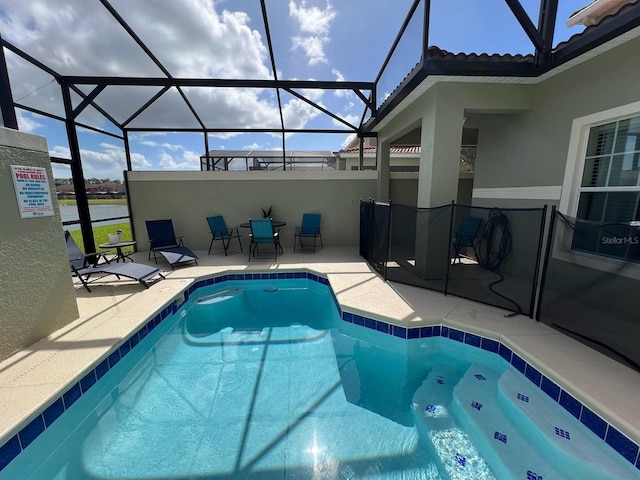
[465, 236]
[220, 232]
[164, 242]
[85, 266]
[309, 229]
[262, 233]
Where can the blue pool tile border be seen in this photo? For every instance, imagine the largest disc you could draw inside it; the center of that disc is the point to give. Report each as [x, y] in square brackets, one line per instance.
[627, 448]
[43, 420]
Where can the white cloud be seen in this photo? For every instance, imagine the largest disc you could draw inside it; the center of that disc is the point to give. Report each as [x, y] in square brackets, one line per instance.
[348, 139]
[27, 122]
[313, 48]
[188, 161]
[107, 163]
[168, 146]
[312, 20]
[313, 94]
[191, 38]
[253, 146]
[314, 24]
[351, 118]
[297, 112]
[340, 78]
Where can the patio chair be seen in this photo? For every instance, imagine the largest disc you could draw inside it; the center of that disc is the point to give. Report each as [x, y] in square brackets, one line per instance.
[262, 233]
[465, 236]
[220, 232]
[78, 259]
[85, 266]
[310, 228]
[163, 241]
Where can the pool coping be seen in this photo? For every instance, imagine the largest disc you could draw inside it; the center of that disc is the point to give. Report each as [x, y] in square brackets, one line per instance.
[54, 407]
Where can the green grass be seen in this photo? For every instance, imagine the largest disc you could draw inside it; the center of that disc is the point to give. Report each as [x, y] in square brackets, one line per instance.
[101, 235]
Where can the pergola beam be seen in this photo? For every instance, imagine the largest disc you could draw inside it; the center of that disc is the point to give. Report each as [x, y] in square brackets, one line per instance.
[216, 82]
[272, 57]
[77, 174]
[88, 99]
[98, 108]
[7, 107]
[322, 109]
[239, 130]
[527, 25]
[546, 27]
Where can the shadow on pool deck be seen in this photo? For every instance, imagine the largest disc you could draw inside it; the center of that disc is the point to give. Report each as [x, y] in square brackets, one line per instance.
[113, 310]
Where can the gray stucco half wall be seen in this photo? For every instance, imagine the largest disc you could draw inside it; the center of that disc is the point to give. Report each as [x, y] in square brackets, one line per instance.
[37, 291]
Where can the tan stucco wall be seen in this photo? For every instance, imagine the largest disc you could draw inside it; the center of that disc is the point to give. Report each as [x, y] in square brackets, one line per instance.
[524, 130]
[189, 197]
[36, 287]
[440, 114]
[531, 148]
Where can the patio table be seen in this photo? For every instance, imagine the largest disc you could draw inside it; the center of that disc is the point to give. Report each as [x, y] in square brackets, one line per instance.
[118, 246]
[276, 224]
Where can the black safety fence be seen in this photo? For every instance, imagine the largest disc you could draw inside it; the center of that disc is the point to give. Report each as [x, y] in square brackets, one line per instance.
[488, 255]
[374, 233]
[590, 287]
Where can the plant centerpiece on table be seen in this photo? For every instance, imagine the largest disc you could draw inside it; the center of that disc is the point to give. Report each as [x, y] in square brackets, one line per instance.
[115, 237]
[266, 213]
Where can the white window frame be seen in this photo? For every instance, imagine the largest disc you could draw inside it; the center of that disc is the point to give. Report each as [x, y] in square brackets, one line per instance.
[571, 190]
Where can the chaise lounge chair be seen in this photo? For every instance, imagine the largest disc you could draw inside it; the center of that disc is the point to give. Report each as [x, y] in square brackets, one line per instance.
[85, 266]
[164, 242]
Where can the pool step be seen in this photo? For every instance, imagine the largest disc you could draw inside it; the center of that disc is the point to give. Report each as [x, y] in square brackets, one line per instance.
[505, 448]
[221, 296]
[456, 455]
[580, 452]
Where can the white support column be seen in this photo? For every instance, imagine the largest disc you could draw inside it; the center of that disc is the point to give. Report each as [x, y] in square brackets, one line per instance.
[441, 135]
[383, 159]
[440, 155]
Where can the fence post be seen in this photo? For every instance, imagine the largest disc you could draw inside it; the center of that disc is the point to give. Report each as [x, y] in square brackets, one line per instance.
[386, 259]
[446, 278]
[372, 224]
[534, 287]
[547, 255]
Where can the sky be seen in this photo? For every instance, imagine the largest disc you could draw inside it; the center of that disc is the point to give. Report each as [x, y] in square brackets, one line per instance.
[312, 40]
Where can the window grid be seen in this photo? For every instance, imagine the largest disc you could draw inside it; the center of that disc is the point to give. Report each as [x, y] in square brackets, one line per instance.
[613, 201]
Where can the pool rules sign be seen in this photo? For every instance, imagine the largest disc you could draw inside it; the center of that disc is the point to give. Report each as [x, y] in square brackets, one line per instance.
[32, 191]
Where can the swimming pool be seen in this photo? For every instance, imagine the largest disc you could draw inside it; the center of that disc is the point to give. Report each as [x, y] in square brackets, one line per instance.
[266, 379]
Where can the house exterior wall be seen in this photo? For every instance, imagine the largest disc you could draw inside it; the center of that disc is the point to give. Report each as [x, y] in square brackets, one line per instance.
[530, 149]
[189, 197]
[37, 293]
[526, 148]
[464, 98]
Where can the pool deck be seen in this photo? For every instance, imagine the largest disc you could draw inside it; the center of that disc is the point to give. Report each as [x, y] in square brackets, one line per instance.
[113, 310]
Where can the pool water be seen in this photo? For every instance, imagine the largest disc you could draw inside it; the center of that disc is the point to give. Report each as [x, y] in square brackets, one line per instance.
[262, 380]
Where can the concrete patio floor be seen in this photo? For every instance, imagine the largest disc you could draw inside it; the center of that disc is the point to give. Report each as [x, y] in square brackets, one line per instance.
[114, 309]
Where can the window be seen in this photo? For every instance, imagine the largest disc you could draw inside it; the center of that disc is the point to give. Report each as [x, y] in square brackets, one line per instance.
[468, 150]
[608, 210]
